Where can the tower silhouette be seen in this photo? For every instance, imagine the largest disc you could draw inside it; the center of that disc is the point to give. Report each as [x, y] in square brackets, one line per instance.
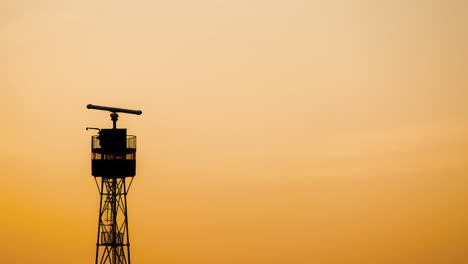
[113, 160]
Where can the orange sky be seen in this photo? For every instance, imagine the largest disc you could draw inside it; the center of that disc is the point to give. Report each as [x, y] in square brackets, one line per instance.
[272, 132]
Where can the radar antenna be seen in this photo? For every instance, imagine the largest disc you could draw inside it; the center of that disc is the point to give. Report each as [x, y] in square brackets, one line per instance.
[114, 116]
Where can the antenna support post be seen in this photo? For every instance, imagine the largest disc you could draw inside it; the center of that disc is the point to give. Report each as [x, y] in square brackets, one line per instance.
[114, 118]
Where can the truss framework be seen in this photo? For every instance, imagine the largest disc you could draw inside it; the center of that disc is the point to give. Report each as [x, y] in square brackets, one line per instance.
[113, 244]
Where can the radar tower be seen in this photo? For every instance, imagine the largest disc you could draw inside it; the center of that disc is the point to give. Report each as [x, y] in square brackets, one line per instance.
[113, 161]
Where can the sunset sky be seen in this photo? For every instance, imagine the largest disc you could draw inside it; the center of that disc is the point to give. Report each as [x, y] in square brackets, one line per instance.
[273, 132]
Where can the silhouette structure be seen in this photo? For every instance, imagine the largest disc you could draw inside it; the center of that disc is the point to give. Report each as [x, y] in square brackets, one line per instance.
[114, 162]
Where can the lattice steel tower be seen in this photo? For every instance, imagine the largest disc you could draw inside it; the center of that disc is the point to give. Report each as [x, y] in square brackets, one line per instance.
[114, 162]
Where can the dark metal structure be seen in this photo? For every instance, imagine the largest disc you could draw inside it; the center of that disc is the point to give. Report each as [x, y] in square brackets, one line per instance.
[113, 157]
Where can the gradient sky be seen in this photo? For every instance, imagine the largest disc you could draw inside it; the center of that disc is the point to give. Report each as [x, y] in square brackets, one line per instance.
[273, 132]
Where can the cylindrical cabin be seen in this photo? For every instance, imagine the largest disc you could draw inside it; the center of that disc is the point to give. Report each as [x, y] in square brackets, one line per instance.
[113, 154]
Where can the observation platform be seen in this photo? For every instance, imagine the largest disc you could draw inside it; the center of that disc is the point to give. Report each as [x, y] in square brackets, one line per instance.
[113, 154]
